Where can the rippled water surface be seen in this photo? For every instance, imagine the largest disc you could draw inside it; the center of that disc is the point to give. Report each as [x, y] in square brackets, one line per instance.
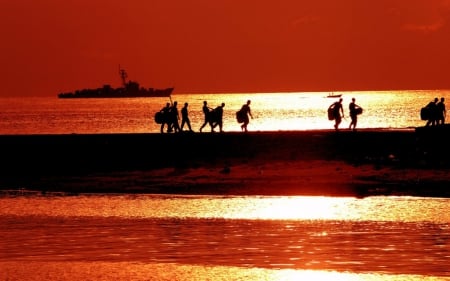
[150, 237]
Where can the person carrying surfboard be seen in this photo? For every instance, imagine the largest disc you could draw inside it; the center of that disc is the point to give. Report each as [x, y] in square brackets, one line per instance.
[354, 111]
[243, 115]
[337, 113]
[206, 110]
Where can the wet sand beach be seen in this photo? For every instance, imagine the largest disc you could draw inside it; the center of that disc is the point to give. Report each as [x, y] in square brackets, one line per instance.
[318, 162]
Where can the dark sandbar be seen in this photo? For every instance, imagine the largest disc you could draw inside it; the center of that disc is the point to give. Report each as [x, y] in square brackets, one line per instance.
[317, 162]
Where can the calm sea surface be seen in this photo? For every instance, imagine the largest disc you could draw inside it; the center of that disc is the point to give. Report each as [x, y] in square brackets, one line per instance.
[155, 237]
[272, 112]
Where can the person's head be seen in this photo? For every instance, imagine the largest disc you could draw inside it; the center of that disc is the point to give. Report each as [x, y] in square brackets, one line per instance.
[436, 99]
[168, 104]
[442, 99]
[185, 104]
[340, 100]
[205, 103]
[248, 102]
[353, 99]
[175, 103]
[223, 104]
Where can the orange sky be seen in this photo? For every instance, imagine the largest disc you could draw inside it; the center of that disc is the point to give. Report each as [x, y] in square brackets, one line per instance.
[49, 46]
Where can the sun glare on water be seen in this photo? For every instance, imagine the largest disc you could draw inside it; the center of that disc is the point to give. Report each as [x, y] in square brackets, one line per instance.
[298, 112]
[292, 208]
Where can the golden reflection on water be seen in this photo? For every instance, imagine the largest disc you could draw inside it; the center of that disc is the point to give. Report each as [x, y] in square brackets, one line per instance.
[118, 271]
[400, 209]
[155, 237]
[311, 208]
[272, 112]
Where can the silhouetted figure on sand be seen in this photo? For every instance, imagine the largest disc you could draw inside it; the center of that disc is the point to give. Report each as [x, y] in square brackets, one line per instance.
[165, 118]
[432, 113]
[215, 117]
[206, 109]
[243, 115]
[441, 112]
[174, 117]
[185, 117]
[337, 113]
[354, 111]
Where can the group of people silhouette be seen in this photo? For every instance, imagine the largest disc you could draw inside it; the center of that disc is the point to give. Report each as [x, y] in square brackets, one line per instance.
[434, 112]
[169, 116]
[213, 116]
[336, 113]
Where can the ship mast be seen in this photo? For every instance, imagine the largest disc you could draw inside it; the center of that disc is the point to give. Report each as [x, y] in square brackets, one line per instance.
[123, 76]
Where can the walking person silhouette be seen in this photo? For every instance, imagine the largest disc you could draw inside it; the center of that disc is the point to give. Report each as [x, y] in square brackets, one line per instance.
[441, 112]
[243, 115]
[432, 112]
[337, 112]
[354, 110]
[165, 111]
[206, 111]
[216, 118]
[185, 118]
[174, 116]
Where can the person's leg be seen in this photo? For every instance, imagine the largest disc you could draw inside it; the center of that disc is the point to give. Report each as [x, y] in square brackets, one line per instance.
[176, 125]
[204, 124]
[182, 124]
[353, 122]
[338, 121]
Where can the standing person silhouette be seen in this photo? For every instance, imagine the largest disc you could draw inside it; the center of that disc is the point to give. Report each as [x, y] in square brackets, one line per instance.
[441, 112]
[205, 110]
[185, 117]
[245, 113]
[166, 118]
[353, 110]
[174, 116]
[432, 111]
[338, 113]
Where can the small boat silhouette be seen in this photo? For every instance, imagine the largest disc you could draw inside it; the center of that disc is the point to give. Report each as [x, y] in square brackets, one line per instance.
[333, 95]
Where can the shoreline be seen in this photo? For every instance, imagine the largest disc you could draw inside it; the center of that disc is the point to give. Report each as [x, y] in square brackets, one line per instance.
[315, 162]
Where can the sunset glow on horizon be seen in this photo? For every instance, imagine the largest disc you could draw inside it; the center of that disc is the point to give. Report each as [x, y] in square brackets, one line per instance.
[201, 46]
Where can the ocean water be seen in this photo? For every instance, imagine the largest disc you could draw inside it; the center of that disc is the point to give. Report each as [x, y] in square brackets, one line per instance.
[272, 112]
[157, 237]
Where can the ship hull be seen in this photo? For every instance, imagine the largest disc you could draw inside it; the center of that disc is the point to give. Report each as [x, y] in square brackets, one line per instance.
[150, 93]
